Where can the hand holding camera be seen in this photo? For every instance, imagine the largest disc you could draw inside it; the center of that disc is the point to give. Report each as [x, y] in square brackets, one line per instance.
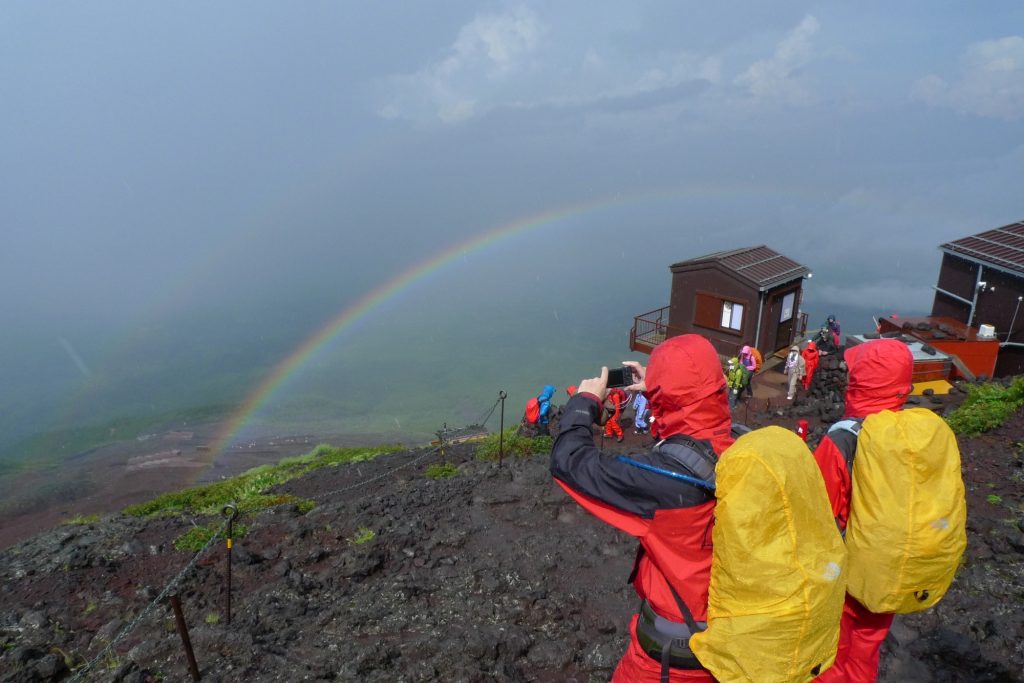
[630, 377]
[598, 386]
[639, 373]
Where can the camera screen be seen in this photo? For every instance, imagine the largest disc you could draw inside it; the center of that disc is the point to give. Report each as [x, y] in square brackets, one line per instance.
[620, 377]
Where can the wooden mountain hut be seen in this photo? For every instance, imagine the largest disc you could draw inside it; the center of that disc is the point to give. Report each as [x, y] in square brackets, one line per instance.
[981, 284]
[749, 296]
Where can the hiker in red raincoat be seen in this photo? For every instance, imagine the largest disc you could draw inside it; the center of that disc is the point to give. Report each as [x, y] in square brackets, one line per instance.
[810, 355]
[671, 516]
[612, 427]
[879, 379]
[803, 429]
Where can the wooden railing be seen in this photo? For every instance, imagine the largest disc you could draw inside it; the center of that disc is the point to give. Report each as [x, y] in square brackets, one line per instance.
[652, 328]
[649, 330]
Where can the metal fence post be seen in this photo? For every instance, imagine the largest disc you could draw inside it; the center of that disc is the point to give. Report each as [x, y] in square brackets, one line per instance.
[442, 436]
[501, 429]
[179, 619]
[231, 512]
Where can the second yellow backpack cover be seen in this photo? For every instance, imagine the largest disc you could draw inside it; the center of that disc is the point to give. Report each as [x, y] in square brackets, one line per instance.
[907, 527]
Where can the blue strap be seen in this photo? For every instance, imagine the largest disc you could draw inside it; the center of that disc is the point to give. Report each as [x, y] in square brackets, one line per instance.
[667, 473]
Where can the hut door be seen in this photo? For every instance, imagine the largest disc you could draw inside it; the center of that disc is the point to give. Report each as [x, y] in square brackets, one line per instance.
[784, 332]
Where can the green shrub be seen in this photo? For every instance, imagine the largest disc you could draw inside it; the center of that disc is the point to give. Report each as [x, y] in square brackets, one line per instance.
[247, 489]
[196, 538]
[986, 407]
[994, 499]
[515, 445]
[442, 470]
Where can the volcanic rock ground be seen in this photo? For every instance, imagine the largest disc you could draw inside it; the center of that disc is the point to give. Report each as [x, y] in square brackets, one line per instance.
[490, 575]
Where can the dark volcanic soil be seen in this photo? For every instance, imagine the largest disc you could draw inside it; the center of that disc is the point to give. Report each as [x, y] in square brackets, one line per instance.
[493, 574]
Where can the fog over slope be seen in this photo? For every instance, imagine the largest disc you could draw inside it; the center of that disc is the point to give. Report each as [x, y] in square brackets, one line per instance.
[191, 192]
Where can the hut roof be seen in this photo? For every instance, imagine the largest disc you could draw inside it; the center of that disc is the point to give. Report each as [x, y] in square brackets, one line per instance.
[761, 266]
[1000, 247]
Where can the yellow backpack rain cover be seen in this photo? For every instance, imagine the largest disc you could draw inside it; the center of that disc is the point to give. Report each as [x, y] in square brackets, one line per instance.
[908, 515]
[778, 566]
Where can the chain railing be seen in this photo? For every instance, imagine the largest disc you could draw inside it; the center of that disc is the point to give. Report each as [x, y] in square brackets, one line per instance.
[171, 585]
[80, 673]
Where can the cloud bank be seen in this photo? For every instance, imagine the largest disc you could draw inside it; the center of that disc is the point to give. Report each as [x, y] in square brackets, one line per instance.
[990, 82]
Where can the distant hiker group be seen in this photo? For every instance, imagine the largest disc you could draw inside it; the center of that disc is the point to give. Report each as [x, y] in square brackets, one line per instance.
[540, 412]
[758, 560]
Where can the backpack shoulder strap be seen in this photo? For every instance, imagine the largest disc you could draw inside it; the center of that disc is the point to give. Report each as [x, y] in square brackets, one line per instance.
[737, 430]
[844, 435]
[696, 456]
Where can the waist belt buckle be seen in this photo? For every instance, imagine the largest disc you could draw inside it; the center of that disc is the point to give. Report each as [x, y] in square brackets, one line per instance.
[655, 633]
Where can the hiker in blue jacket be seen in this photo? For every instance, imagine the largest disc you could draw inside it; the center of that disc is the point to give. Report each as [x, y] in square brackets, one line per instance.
[640, 423]
[545, 404]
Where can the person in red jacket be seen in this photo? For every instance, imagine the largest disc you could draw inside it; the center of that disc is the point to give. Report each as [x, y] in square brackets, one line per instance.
[660, 497]
[803, 429]
[612, 427]
[810, 355]
[879, 379]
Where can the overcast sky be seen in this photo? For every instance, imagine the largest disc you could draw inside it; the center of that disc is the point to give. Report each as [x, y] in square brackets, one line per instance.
[161, 157]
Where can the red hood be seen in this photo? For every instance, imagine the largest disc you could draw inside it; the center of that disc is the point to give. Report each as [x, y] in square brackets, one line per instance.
[880, 373]
[686, 389]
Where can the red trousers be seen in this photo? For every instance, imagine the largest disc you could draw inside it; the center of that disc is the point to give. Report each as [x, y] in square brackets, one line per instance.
[861, 633]
[636, 666]
[612, 426]
[809, 376]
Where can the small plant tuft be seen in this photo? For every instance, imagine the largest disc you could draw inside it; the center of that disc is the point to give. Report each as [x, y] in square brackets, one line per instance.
[69, 661]
[212, 618]
[516, 445]
[442, 470]
[362, 535]
[81, 519]
[994, 499]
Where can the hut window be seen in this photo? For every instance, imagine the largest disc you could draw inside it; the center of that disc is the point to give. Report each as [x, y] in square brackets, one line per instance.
[732, 315]
[787, 307]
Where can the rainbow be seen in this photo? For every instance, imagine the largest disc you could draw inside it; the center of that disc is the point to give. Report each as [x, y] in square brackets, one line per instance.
[357, 311]
[344, 320]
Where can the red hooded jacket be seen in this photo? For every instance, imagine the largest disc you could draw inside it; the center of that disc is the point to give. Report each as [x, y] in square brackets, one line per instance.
[811, 358]
[879, 379]
[672, 519]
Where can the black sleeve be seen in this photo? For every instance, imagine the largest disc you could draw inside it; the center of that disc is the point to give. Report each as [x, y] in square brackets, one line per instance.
[579, 464]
